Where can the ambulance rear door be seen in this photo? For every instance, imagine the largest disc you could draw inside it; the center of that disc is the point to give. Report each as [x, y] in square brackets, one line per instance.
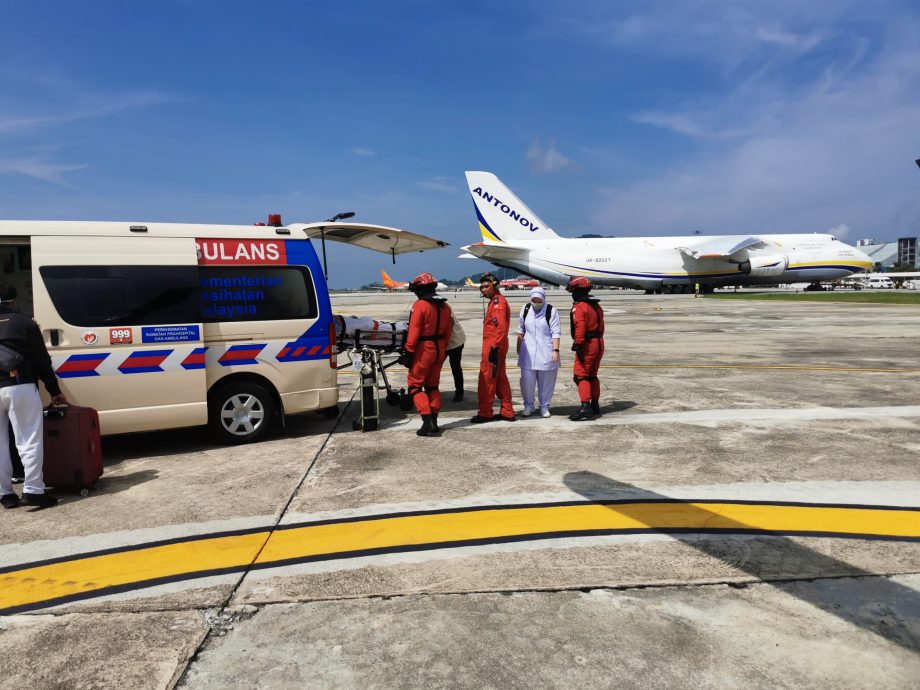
[121, 317]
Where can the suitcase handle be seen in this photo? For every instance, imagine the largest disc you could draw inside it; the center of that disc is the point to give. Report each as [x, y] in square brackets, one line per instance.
[56, 411]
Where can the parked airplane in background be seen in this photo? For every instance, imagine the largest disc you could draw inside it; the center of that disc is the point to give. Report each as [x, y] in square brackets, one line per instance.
[390, 284]
[514, 237]
[519, 284]
[509, 284]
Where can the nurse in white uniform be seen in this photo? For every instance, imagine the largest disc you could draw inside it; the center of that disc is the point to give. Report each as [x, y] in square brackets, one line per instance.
[538, 334]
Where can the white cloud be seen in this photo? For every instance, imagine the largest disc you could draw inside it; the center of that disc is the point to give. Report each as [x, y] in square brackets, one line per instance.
[547, 160]
[84, 108]
[688, 124]
[38, 168]
[361, 151]
[439, 184]
[73, 105]
[789, 39]
[790, 146]
[841, 231]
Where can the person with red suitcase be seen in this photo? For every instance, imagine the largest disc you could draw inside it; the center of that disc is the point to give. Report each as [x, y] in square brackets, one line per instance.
[24, 360]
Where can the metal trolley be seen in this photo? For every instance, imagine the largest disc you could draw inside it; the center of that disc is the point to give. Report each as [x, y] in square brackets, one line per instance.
[370, 355]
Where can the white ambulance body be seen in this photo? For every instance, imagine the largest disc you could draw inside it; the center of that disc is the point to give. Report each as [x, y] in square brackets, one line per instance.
[160, 326]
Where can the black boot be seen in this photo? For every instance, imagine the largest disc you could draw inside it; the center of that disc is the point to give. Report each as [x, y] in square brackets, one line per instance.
[582, 413]
[427, 429]
[435, 429]
[458, 395]
[596, 406]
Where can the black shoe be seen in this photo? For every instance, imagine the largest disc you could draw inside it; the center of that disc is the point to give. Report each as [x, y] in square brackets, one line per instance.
[507, 418]
[9, 501]
[17, 480]
[40, 500]
[582, 413]
[426, 429]
[458, 396]
[435, 429]
[595, 407]
[479, 419]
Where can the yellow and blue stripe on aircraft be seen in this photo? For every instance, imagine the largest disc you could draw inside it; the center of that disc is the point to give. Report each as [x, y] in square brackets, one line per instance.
[487, 232]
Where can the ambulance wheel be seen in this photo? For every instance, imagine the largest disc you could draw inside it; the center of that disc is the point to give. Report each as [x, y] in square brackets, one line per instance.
[240, 412]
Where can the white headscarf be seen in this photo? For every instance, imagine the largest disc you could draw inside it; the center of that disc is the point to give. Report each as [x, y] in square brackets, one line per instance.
[541, 293]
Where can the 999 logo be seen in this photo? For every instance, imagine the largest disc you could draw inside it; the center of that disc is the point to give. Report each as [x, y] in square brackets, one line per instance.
[121, 336]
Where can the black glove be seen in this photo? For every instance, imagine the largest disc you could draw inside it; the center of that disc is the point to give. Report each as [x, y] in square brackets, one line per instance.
[405, 358]
[493, 355]
[579, 351]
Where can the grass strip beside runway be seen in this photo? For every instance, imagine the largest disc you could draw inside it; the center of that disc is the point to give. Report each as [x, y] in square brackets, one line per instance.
[893, 297]
[31, 586]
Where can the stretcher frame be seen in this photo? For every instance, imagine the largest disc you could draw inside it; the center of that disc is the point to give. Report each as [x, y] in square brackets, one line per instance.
[369, 361]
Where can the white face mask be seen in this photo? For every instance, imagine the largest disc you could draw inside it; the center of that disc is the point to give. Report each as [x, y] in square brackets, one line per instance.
[537, 303]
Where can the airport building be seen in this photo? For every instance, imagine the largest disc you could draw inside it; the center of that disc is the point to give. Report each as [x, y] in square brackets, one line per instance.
[889, 254]
[907, 251]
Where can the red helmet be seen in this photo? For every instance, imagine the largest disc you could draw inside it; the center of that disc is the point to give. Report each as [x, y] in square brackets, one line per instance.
[578, 283]
[422, 280]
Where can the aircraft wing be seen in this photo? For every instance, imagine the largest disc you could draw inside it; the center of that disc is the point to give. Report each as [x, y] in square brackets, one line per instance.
[720, 247]
[485, 251]
[379, 238]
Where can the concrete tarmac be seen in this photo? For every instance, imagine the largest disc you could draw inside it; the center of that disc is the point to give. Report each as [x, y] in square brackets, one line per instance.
[745, 511]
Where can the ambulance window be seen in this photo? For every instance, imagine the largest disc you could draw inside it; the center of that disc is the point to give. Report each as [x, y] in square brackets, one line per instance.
[123, 295]
[104, 298]
[256, 293]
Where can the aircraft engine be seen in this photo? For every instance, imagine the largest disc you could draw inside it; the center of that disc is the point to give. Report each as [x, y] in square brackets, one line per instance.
[769, 265]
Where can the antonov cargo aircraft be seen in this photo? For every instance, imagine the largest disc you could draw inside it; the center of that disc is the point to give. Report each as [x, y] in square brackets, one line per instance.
[514, 237]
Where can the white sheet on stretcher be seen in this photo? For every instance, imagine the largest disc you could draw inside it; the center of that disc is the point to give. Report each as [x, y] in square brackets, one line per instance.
[371, 332]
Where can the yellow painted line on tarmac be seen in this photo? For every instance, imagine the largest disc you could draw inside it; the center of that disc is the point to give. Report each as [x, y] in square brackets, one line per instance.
[37, 585]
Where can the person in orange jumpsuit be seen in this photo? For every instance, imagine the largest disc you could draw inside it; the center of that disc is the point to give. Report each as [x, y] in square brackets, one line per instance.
[426, 347]
[587, 326]
[493, 379]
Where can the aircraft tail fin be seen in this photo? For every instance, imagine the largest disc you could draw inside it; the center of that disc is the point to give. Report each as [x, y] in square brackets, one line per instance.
[469, 283]
[502, 216]
[389, 282]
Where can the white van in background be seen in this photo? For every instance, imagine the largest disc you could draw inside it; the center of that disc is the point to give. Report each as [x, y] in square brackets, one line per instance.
[879, 283]
[160, 325]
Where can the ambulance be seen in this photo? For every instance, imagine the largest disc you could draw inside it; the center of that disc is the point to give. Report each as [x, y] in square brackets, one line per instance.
[161, 326]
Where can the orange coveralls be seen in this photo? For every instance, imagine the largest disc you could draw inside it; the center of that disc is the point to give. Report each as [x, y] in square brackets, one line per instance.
[430, 325]
[588, 332]
[495, 334]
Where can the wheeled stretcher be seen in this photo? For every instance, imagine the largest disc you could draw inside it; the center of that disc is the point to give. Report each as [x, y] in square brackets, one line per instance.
[372, 347]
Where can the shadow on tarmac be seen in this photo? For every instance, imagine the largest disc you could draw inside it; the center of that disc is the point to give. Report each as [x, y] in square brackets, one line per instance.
[144, 445]
[878, 605]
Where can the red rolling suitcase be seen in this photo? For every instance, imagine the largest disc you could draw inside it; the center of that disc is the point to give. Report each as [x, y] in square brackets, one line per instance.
[73, 449]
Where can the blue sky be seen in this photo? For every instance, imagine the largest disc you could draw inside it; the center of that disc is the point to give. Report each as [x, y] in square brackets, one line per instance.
[627, 118]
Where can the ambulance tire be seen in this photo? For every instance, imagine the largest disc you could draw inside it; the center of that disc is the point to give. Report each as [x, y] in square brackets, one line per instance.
[241, 412]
